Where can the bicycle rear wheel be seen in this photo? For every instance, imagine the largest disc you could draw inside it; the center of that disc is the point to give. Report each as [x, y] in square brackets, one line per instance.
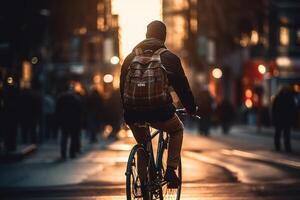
[135, 187]
[168, 193]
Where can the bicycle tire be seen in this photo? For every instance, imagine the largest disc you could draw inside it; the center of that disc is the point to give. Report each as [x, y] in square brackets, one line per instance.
[133, 182]
[166, 193]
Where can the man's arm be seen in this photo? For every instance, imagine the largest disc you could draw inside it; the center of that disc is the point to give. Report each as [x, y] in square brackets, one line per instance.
[178, 81]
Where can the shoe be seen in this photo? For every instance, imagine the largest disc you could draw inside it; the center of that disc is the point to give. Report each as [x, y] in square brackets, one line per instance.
[172, 178]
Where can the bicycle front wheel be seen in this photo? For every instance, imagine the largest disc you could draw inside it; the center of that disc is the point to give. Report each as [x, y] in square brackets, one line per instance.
[168, 193]
[136, 182]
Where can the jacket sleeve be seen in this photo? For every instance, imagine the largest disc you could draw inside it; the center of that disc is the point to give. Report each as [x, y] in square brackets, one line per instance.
[178, 81]
[124, 68]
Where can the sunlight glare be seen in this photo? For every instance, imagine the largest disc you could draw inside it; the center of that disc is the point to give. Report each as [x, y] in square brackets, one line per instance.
[134, 15]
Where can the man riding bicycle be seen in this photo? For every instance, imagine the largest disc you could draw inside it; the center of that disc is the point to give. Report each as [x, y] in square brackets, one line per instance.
[138, 78]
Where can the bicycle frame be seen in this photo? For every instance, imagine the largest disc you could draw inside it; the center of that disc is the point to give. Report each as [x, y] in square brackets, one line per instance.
[149, 147]
[154, 181]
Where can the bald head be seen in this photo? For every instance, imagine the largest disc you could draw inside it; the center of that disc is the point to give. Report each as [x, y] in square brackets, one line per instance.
[157, 29]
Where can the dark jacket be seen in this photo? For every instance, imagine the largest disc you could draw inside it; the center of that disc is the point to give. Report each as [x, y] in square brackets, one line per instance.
[69, 110]
[284, 109]
[176, 79]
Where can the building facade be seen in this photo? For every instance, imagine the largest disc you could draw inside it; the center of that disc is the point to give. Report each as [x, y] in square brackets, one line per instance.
[89, 41]
[212, 37]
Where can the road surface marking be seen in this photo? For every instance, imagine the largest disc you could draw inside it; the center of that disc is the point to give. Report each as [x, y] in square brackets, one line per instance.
[244, 154]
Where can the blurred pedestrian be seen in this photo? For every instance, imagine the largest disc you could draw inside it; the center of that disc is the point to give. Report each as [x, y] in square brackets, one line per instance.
[49, 111]
[69, 110]
[284, 114]
[205, 103]
[30, 108]
[94, 111]
[113, 111]
[225, 114]
[1, 120]
[10, 115]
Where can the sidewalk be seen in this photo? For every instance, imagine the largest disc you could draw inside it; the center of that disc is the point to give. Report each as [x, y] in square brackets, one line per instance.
[49, 149]
[21, 152]
[45, 168]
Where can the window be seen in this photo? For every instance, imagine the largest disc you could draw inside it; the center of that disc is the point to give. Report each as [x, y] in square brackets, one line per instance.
[298, 37]
[284, 36]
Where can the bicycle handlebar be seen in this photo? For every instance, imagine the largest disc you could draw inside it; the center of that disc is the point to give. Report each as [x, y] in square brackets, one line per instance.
[183, 111]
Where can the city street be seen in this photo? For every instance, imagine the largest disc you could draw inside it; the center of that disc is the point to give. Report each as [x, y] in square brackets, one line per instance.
[73, 72]
[238, 166]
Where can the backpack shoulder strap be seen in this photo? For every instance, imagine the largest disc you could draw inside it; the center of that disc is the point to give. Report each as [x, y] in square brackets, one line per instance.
[138, 51]
[160, 51]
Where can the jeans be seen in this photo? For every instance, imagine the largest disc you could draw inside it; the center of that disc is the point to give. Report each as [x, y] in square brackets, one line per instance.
[286, 136]
[174, 128]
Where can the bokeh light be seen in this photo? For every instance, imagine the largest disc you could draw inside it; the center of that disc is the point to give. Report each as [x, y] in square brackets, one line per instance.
[248, 103]
[217, 73]
[262, 69]
[248, 93]
[108, 78]
[114, 60]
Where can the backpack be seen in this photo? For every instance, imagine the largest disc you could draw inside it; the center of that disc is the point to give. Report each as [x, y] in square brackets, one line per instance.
[146, 82]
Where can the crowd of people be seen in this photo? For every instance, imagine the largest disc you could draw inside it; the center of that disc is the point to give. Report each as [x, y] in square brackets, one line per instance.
[30, 117]
[213, 113]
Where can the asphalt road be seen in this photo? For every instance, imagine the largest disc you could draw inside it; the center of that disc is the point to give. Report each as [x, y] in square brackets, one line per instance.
[239, 166]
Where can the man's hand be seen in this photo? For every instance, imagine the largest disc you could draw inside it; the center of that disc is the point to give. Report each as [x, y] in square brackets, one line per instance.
[194, 111]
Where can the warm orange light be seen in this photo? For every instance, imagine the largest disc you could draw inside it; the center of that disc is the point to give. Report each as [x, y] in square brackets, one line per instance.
[114, 60]
[283, 61]
[97, 79]
[296, 88]
[262, 69]
[248, 103]
[248, 93]
[79, 88]
[134, 15]
[284, 36]
[82, 30]
[34, 60]
[245, 40]
[108, 78]
[217, 73]
[107, 130]
[27, 70]
[10, 80]
[254, 37]
[116, 81]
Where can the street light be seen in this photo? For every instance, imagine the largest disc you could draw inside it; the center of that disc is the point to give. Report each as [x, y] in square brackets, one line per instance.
[108, 78]
[248, 103]
[262, 69]
[34, 60]
[97, 79]
[10, 81]
[248, 93]
[114, 60]
[217, 73]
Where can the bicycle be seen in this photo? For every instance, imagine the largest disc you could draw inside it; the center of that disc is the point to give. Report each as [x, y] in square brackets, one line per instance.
[155, 186]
